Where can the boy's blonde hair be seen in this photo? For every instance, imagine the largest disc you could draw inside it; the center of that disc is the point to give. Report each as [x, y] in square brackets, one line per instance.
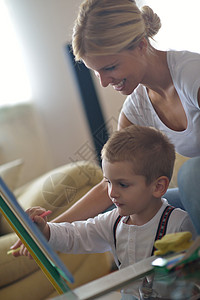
[105, 27]
[149, 150]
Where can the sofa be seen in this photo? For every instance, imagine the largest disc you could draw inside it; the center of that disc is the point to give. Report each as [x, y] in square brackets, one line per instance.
[57, 190]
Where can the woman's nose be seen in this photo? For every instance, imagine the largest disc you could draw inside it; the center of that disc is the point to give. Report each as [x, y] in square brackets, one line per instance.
[104, 80]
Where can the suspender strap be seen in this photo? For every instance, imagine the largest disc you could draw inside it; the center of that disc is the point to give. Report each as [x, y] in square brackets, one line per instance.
[115, 227]
[162, 226]
[114, 232]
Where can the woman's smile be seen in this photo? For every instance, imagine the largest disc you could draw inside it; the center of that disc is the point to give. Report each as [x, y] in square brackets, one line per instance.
[120, 86]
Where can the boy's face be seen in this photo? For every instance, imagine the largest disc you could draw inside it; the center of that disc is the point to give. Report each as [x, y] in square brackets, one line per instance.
[129, 192]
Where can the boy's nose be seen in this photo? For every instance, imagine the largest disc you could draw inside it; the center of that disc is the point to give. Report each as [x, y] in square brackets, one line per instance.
[113, 193]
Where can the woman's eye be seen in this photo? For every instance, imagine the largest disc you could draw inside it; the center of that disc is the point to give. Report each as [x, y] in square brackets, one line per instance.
[110, 68]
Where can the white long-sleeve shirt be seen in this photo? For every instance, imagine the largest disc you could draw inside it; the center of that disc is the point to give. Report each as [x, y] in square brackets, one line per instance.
[133, 243]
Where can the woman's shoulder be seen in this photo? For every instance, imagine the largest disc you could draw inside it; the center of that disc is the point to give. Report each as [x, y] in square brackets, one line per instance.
[182, 63]
[184, 67]
[177, 57]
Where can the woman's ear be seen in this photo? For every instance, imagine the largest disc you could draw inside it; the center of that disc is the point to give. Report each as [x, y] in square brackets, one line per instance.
[143, 45]
[160, 186]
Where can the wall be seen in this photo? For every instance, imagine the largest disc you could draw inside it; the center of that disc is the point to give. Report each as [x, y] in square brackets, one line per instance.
[22, 136]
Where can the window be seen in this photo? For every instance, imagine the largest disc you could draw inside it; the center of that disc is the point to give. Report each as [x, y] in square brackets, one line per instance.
[14, 82]
[180, 24]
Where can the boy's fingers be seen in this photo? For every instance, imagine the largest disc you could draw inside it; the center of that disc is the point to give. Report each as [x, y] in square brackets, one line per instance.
[16, 253]
[35, 211]
[16, 245]
[39, 220]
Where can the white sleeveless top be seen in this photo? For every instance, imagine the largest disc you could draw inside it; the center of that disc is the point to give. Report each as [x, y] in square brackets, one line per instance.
[184, 67]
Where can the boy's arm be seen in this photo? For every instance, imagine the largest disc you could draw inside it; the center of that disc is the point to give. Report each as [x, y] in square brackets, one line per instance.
[90, 205]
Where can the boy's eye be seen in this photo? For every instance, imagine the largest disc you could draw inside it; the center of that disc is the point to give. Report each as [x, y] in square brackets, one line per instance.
[123, 185]
[106, 180]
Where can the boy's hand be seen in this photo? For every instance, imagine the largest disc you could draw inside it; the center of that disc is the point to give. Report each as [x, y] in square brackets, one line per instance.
[35, 213]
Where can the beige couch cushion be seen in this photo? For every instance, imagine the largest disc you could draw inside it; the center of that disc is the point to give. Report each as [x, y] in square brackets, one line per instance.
[57, 190]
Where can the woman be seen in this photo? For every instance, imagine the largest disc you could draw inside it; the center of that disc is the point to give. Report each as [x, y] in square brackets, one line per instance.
[112, 37]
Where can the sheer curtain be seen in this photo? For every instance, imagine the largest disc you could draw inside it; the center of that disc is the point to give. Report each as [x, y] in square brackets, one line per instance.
[15, 86]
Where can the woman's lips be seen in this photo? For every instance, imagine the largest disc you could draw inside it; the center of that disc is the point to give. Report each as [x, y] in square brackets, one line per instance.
[119, 86]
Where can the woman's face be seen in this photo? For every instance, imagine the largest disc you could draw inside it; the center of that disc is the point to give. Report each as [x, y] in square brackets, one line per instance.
[124, 71]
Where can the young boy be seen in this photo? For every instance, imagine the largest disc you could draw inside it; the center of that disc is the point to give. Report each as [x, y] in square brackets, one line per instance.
[137, 164]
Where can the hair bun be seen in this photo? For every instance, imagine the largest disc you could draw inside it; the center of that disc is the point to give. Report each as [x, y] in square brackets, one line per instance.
[152, 21]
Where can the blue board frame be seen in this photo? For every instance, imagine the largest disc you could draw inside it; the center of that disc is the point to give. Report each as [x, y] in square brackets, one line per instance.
[34, 240]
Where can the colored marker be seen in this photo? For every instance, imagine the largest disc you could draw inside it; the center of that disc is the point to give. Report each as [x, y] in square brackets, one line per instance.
[46, 213]
[13, 250]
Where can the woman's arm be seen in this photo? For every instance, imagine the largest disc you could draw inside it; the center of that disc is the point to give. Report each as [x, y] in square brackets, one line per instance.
[90, 205]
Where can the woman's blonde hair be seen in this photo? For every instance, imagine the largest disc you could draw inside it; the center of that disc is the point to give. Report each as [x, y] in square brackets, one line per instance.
[106, 27]
[149, 150]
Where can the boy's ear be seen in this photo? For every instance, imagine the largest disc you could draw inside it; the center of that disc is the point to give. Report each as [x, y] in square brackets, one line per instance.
[160, 186]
